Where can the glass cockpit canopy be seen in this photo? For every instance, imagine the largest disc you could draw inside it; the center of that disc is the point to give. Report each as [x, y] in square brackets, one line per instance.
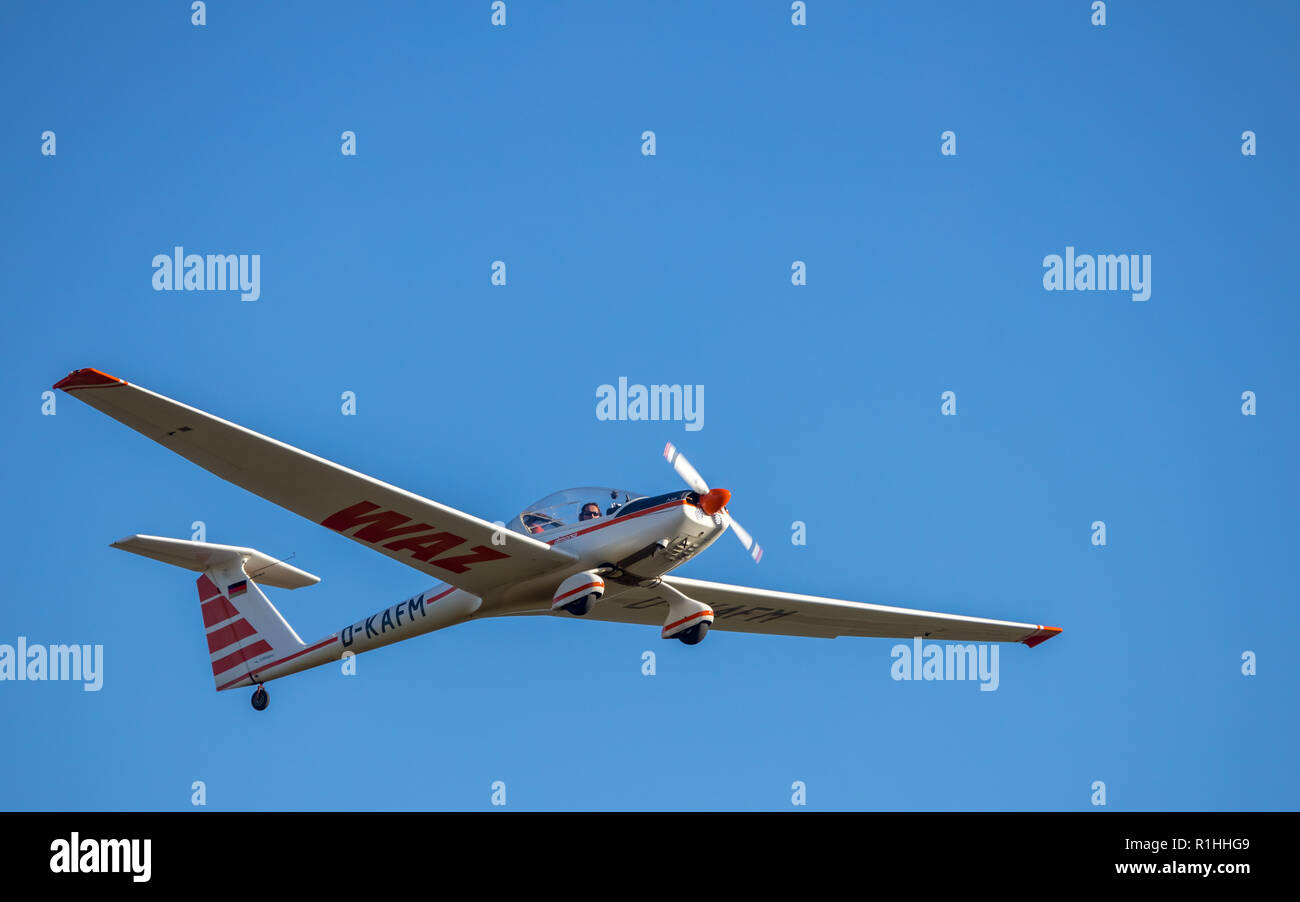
[572, 506]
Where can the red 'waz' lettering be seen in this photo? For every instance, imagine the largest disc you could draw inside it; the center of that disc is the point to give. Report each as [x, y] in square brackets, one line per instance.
[379, 526]
[427, 547]
[461, 564]
[384, 525]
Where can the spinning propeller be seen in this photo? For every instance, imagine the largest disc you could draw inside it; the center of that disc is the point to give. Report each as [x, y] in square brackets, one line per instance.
[712, 501]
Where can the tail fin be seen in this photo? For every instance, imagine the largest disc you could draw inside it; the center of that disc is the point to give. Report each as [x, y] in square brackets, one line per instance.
[244, 630]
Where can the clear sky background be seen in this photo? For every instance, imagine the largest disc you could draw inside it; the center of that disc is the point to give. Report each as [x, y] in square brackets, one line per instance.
[775, 143]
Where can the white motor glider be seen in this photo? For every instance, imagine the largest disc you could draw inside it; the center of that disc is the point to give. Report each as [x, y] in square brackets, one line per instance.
[598, 553]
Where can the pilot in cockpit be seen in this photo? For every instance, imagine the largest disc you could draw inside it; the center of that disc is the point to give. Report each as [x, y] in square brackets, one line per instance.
[590, 511]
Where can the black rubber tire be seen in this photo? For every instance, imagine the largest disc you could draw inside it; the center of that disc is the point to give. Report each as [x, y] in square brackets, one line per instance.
[695, 635]
[261, 699]
[581, 606]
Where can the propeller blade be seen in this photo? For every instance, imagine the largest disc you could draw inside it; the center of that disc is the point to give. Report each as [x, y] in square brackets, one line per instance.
[684, 469]
[755, 550]
[718, 497]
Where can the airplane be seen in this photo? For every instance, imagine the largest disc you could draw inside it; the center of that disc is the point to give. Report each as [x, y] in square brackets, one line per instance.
[599, 553]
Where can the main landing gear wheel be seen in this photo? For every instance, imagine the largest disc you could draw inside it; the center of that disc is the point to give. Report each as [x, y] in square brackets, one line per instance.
[581, 606]
[260, 699]
[695, 635]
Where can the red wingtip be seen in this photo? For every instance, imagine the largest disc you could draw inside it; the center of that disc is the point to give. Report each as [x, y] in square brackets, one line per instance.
[87, 378]
[1042, 634]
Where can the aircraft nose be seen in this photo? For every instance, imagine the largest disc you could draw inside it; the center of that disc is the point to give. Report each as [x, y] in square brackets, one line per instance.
[714, 500]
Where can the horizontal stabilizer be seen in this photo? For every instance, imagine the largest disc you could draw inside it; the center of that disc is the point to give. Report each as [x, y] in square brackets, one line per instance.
[201, 556]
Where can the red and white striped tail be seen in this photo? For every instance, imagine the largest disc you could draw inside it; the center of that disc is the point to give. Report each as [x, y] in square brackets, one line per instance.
[244, 630]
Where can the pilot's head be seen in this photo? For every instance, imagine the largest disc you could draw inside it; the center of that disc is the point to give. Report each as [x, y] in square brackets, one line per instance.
[590, 511]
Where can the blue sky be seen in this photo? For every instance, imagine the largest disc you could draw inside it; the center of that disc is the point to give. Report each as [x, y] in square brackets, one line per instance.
[775, 143]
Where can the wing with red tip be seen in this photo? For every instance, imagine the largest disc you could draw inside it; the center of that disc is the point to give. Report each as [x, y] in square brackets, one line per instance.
[745, 610]
[455, 547]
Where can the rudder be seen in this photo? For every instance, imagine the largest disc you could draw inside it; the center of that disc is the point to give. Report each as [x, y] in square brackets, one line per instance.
[244, 630]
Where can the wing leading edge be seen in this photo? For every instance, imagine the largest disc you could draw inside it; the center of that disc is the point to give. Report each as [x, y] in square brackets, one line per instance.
[455, 547]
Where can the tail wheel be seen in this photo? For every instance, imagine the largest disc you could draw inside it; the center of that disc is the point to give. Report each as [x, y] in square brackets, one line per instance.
[260, 699]
[695, 635]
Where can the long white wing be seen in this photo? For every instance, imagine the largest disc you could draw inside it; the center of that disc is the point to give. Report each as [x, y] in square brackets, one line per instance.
[441, 541]
[745, 610]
